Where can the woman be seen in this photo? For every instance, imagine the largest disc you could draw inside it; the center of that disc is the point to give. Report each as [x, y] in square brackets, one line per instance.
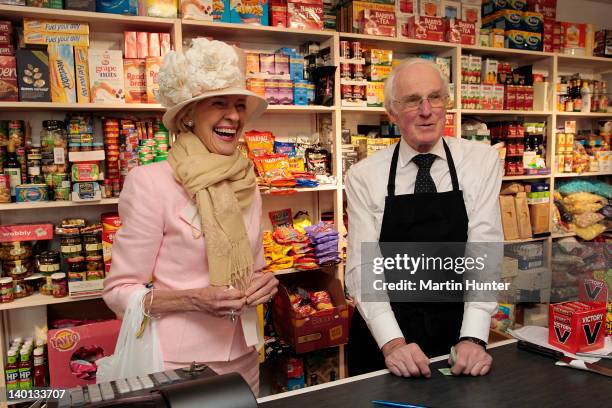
[192, 225]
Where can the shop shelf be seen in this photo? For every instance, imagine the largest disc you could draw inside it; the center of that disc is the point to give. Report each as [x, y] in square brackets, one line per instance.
[299, 109]
[55, 204]
[521, 56]
[481, 112]
[580, 64]
[526, 177]
[564, 235]
[585, 114]
[587, 174]
[42, 300]
[51, 106]
[253, 33]
[519, 241]
[322, 187]
[98, 22]
[402, 45]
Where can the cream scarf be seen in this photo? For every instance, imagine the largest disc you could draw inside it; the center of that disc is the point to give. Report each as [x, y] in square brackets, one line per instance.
[223, 187]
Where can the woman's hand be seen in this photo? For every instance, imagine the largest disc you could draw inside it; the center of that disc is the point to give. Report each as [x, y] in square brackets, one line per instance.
[262, 289]
[219, 301]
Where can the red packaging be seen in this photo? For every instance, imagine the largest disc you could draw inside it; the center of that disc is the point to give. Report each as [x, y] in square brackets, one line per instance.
[449, 125]
[7, 50]
[277, 10]
[8, 79]
[6, 27]
[377, 22]
[529, 98]
[153, 42]
[345, 49]
[142, 45]
[460, 32]
[592, 290]
[129, 44]
[26, 232]
[520, 98]
[426, 28]
[305, 14]
[6, 38]
[547, 7]
[322, 329]
[573, 35]
[585, 331]
[510, 97]
[64, 343]
[164, 44]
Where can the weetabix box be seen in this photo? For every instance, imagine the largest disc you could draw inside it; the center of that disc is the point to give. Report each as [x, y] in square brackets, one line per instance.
[135, 80]
[8, 79]
[46, 38]
[106, 76]
[81, 69]
[33, 75]
[54, 26]
[61, 67]
[152, 69]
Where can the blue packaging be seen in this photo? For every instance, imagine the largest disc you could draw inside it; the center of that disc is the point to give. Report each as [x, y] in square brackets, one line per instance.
[127, 7]
[505, 19]
[256, 14]
[492, 6]
[296, 67]
[533, 22]
[300, 93]
[221, 11]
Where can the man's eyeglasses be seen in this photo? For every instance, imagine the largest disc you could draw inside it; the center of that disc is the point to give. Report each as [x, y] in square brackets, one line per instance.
[413, 102]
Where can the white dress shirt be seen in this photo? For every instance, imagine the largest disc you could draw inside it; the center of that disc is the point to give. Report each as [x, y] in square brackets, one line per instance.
[480, 175]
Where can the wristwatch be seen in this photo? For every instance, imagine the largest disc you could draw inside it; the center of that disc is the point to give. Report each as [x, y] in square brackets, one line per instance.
[474, 340]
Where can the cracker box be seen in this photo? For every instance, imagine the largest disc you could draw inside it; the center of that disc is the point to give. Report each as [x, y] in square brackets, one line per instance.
[127, 7]
[221, 11]
[152, 69]
[130, 44]
[33, 75]
[460, 32]
[61, 73]
[325, 328]
[430, 8]
[377, 22]
[575, 328]
[54, 26]
[81, 69]
[305, 14]
[135, 80]
[197, 10]
[426, 28]
[66, 345]
[250, 12]
[106, 76]
[8, 79]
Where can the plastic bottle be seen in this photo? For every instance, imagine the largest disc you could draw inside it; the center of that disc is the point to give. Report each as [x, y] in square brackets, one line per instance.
[586, 97]
[39, 367]
[12, 371]
[25, 370]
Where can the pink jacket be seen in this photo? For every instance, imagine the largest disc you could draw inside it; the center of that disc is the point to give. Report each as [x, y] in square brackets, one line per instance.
[156, 241]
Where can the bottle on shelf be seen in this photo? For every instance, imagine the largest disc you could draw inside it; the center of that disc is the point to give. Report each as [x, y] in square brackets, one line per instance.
[39, 368]
[12, 167]
[12, 371]
[25, 370]
[586, 97]
[577, 96]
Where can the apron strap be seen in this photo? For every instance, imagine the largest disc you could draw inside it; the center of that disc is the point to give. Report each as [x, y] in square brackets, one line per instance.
[451, 166]
[391, 181]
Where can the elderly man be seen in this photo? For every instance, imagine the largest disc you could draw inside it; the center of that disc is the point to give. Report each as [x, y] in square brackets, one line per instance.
[438, 190]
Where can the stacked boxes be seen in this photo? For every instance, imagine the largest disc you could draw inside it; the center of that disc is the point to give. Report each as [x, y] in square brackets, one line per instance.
[8, 64]
[522, 29]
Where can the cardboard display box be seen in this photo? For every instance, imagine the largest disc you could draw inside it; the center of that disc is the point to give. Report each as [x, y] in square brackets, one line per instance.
[509, 221]
[326, 328]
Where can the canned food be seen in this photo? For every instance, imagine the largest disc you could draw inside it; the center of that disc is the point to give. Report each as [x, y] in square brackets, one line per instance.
[347, 92]
[345, 71]
[356, 48]
[26, 193]
[357, 72]
[61, 193]
[345, 49]
[358, 92]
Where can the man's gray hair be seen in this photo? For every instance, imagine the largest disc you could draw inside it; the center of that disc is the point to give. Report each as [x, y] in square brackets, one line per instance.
[390, 81]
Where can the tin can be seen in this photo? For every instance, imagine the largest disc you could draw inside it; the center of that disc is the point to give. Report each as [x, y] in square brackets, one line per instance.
[61, 193]
[347, 92]
[345, 49]
[345, 71]
[357, 72]
[356, 48]
[31, 193]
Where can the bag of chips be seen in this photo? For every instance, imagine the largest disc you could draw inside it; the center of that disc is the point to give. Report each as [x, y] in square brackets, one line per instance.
[259, 143]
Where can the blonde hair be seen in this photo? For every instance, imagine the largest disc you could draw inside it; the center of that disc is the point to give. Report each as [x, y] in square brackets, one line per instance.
[390, 82]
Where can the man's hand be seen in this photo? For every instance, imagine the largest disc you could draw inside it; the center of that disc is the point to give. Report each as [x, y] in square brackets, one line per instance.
[472, 359]
[406, 360]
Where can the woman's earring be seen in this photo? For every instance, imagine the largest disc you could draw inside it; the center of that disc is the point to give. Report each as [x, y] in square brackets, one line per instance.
[188, 123]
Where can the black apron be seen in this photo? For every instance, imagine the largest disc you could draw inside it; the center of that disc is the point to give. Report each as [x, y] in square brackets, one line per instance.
[428, 217]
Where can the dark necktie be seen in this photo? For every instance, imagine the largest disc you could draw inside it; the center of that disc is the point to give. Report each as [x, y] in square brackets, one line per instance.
[424, 182]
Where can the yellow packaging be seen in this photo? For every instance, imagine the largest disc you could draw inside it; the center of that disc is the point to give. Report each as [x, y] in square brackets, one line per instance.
[43, 38]
[569, 142]
[560, 142]
[61, 73]
[252, 62]
[378, 73]
[81, 69]
[375, 93]
[158, 8]
[497, 38]
[54, 26]
[152, 67]
[135, 80]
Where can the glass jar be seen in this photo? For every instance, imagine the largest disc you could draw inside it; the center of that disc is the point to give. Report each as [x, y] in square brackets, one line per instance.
[53, 148]
[33, 283]
[60, 285]
[76, 269]
[17, 269]
[6, 290]
[70, 244]
[94, 263]
[92, 242]
[33, 164]
[47, 288]
[13, 251]
[19, 289]
[48, 262]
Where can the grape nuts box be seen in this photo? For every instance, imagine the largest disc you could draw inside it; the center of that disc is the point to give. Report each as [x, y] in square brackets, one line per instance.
[33, 75]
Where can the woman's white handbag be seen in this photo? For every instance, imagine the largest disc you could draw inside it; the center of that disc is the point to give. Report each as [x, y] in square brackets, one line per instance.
[133, 355]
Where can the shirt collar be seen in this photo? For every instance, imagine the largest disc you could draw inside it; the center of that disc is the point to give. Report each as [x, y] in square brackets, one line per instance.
[407, 153]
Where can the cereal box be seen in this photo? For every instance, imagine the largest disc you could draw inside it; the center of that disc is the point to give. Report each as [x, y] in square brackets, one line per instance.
[221, 11]
[426, 28]
[152, 69]
[377, 22]
[164, 44]
[106, 76]
[45, 38]
[250, 12]
[54, 26]
[81, 69]
[61, 72]
[142, 45]
[129, 44]
[33, 75]
[197, 10]
[8, 79]
[305, 14]
[158, 8]
[135, 80]
[153, 43]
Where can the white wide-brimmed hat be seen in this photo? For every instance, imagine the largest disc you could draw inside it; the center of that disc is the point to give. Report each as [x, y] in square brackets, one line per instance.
[206, 69]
